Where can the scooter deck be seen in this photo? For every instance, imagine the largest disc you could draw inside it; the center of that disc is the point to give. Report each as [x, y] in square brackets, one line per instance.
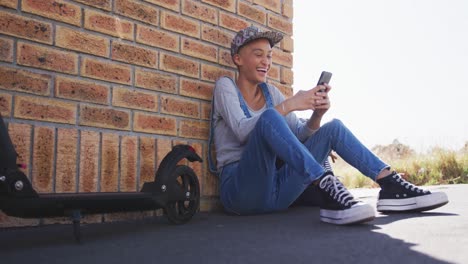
[63, 204]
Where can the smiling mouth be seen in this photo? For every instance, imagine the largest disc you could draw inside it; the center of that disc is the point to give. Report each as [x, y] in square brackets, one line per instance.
[264, 70]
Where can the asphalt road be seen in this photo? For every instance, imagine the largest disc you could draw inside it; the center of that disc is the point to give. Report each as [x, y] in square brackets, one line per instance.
[292, 236]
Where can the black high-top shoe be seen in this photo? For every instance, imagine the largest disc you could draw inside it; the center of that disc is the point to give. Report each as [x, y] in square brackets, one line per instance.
[399, 195]
[339, 206]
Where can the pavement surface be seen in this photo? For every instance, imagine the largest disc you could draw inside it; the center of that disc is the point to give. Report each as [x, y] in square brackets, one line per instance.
[292, 236]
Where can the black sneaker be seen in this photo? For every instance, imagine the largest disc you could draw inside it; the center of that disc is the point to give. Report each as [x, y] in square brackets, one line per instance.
[399, 195]
[339, 206]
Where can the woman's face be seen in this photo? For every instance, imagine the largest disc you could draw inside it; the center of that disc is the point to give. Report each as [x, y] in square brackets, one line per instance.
[254, 60]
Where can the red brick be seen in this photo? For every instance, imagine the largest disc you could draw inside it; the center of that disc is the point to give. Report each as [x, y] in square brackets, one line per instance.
[210, 182]
[47, 58]
[9, 3]
[5, 104]
[147, 160]
[164, 146]
[10, 221]
[27, 28]
[54, 9]
[128, 164]
[157, 38]
[229, 5]
[274, 72]
[287, 76]
[66, 165]
[56, 220]
[107, 24]
[106, 70]
[42, 109]
[24, 81]
[180, 107]
[282, 58]
[43, 159]
[179, 24]
[154, 124]
[200, 11]
[127, 216]
[89, 161]
[155, 81]
[287, 44]
[81, 41]
[232, 22]
[179, 65]
[6, 50]
[21, 136]
[285, 89]
[281, 24]
[212, 73]
[288, 10]
[196, 89]
[82, 91]
[274, 5]
[199, 49]
[134, 55]
[216, 35]
[169, 4]
[206, 111]
[127, 98]
[110, 163]
[91, 219]
[137, 10]
[104, 117]
[102, 4]
[194, 129]
[197, 166]
[225, 58]
[251, 12]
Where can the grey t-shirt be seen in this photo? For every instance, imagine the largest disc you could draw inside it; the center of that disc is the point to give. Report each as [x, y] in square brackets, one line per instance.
[232, 127]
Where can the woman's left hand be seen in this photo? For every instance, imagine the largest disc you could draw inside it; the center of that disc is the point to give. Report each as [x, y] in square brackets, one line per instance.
[322, 104]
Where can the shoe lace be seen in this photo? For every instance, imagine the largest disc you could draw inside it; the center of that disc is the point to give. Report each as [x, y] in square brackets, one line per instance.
[336, 189]
[408, 185]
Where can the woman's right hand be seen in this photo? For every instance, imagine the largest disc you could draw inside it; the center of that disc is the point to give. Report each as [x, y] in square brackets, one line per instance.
[310, 99]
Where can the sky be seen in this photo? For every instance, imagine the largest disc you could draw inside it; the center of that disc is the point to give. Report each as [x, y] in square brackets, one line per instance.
[400, 67]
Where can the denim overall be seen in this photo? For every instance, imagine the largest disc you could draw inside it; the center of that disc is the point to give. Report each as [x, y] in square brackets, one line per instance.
[243, 105]
[255, 185]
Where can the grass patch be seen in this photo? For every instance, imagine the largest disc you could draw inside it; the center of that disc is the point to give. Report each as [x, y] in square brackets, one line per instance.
[436, 166]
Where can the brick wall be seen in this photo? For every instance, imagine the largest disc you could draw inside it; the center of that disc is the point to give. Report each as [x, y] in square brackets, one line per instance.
[96, 92]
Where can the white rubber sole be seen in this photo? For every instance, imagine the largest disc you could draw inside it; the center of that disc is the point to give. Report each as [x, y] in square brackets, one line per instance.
[416, 204]
[358, 213]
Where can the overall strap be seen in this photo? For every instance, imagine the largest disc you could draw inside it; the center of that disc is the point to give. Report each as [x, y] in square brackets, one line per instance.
[266, 93]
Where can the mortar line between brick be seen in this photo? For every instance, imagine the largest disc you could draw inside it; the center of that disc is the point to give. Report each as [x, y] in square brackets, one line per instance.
[15, 52]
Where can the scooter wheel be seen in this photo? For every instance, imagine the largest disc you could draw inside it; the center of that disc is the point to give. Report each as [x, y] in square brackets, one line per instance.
[182, 211]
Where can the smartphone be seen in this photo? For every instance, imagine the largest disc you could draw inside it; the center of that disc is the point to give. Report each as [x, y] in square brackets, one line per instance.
[324, 78]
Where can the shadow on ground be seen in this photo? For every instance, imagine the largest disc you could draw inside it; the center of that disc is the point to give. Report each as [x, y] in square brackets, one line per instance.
[295, 236]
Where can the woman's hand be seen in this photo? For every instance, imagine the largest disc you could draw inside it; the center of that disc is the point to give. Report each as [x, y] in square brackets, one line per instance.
[314, 99]
[323, 103]
[321, 106]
